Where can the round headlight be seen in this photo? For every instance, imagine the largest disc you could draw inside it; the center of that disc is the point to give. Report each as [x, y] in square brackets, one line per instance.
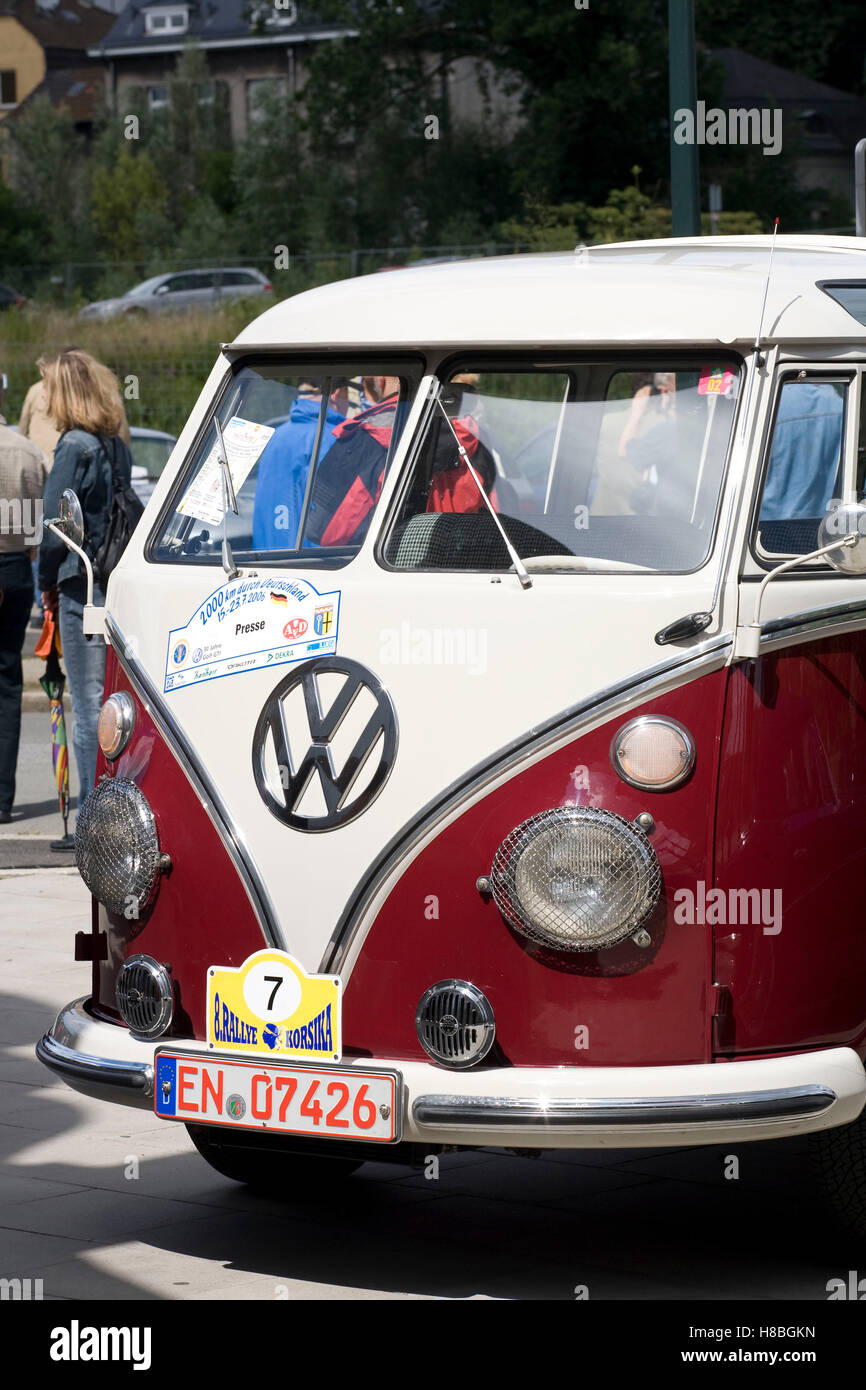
[653, 753]
[115, 724]
[577, 878]
[116, 846]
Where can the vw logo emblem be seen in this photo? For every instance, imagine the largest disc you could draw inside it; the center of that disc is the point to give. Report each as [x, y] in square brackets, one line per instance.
[301, 764]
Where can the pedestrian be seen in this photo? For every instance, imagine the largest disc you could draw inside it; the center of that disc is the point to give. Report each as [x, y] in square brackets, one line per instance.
[37, 424]
[83, 397]
[23, 474]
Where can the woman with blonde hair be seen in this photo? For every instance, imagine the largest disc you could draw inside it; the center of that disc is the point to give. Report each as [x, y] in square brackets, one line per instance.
[83, 397]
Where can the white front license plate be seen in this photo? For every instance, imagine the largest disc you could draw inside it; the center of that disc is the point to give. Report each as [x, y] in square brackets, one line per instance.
[330, 1102]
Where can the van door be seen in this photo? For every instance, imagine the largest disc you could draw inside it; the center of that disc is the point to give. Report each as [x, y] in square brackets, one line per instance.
[790, 848]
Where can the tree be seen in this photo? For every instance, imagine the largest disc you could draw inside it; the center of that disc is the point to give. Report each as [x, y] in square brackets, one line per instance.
[130, 198]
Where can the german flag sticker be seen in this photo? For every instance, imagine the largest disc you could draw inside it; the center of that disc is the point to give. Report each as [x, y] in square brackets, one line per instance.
[279, 598]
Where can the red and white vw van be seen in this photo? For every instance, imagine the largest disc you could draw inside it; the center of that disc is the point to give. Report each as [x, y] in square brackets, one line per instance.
[484, 747]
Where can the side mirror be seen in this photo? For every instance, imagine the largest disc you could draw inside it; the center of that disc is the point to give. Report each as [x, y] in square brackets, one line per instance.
[71, 519]
[842, 520]
[842, 537]
[69, 526]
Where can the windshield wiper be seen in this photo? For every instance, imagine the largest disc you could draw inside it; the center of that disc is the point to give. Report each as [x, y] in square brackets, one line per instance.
[520, 569]
[229, 501]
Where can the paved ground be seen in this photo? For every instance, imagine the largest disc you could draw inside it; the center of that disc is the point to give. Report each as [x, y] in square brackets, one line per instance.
[628, 1225]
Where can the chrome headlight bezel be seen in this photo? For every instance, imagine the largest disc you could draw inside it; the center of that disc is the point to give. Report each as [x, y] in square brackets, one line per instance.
[620, 849]
[121, 706]
[644, 721]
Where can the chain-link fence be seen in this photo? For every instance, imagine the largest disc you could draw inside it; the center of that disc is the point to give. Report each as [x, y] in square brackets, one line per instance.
[71, 284]
[163, 359]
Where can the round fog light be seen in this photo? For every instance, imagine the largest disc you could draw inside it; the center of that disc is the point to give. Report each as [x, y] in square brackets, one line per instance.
[653, 753]
[454, 1023]
[144, 996]
[115, 724]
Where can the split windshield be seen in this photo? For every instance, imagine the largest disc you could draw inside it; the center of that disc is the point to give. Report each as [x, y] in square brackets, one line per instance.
[604, 465]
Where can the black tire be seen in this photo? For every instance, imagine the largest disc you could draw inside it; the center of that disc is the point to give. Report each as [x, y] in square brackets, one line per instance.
[839, 1163]
[266, 1163]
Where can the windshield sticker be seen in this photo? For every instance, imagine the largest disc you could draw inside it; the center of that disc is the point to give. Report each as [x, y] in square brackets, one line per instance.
[715, 381]
[244, 441]
[249, 624]
[270, 1004]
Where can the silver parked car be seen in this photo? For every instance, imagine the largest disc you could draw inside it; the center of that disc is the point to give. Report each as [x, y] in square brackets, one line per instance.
[182, 290]
[151, 450]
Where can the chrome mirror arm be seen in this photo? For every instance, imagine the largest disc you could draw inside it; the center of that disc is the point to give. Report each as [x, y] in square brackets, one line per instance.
[54, 526]
[93, 618]
[747, 642]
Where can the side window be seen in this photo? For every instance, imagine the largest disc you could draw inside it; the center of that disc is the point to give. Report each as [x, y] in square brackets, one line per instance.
[178, 284]
[805, 465]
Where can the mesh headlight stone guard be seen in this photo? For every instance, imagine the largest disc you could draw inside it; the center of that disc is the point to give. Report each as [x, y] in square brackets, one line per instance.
[577, 878]
[116, 846]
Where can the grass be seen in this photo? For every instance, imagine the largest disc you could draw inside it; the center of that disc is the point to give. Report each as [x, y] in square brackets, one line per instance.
[168, 355]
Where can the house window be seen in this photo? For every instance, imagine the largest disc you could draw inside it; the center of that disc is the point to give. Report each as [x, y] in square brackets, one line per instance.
[259, 90]
[8, 88]
[157, 98]
[166, 20]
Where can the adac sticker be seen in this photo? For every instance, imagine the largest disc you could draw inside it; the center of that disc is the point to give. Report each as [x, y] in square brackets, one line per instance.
[271, 1004]
[252, 623]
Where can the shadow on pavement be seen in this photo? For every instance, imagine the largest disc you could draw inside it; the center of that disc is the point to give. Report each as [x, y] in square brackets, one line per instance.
[632, 1224]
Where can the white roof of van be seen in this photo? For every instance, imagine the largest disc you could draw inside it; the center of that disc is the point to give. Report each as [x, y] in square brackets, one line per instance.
[706, 289]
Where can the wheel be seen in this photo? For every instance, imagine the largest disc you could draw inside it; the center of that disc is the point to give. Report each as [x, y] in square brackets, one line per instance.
[266, 1163]
[839, 1164]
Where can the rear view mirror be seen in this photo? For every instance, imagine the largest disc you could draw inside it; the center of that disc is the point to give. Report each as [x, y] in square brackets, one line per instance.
[71, 519]
[845, 519]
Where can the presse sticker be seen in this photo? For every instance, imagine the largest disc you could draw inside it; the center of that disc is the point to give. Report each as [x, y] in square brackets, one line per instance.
[270, 1004]
[250, 623]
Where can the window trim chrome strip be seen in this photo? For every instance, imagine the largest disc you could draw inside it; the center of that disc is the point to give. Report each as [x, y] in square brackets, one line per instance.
[814, 622]
[468, 1112]
[218, 812]
[709, 656]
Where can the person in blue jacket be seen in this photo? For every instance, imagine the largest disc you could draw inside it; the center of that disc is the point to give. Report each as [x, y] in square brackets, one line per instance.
[285, 462]
[807, 447]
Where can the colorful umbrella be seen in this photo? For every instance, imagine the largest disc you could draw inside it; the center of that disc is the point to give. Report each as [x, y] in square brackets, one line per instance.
[53, 683]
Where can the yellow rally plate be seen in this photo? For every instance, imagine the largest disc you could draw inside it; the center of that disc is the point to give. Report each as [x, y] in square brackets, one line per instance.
[270, 1004]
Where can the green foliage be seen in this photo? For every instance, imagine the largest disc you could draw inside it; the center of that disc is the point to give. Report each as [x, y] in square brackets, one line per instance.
[130, 199]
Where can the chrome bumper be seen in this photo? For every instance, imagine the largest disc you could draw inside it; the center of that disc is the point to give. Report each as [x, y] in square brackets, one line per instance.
[555, 1107]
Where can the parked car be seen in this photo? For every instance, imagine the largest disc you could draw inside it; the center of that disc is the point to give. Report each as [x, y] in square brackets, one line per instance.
[9, 298]
[182, 290]
[532, 828]
[151, 450]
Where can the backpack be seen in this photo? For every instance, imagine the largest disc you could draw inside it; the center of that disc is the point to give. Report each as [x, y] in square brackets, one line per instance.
[125, 510]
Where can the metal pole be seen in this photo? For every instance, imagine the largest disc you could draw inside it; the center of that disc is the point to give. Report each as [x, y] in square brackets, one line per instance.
[860, 185]
[685, 184]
